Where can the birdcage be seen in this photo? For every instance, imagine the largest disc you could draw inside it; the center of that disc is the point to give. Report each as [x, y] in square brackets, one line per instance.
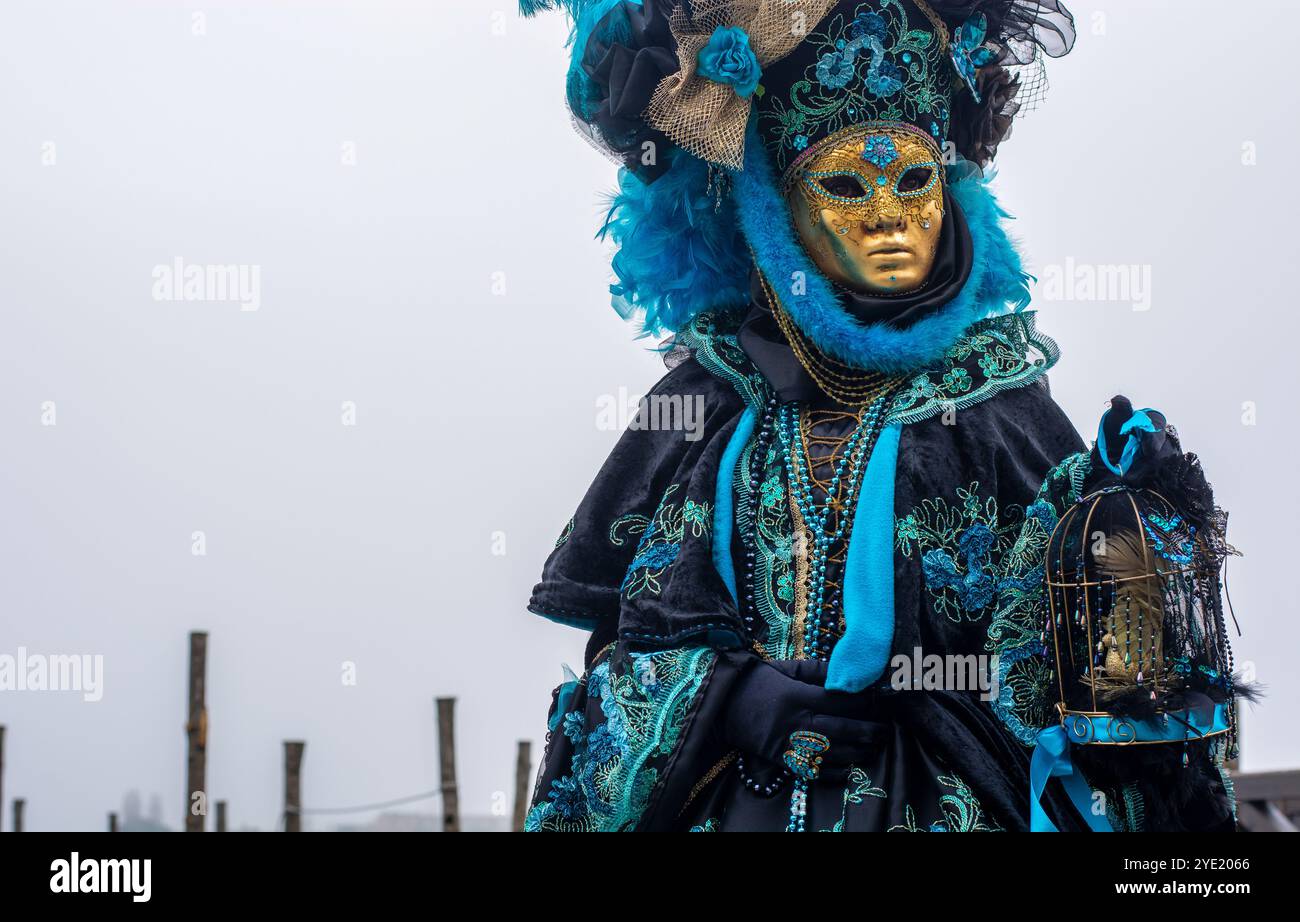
[1135, 621]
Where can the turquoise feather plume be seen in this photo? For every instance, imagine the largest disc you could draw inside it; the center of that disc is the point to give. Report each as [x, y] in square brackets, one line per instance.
[533, 7]
[680, 253]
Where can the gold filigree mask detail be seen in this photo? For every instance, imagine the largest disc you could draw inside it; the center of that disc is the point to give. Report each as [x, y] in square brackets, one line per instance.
[868, 205]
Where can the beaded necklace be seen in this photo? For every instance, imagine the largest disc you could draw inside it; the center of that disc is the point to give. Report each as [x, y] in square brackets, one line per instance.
[816, 515]
[842, 383]
[807, 749]
[802, 762]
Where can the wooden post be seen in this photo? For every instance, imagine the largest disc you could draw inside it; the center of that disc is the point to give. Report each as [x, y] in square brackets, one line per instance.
[447, 764]
[523, 767]
[221, 816]
[19, 803]
[2, 775]
[293, 785]
[196, 731]
[112, 822]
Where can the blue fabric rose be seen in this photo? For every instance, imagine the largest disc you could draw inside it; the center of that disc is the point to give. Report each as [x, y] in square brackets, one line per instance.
[869, 25]
[884, 80]
[727, 58]
[835, 70]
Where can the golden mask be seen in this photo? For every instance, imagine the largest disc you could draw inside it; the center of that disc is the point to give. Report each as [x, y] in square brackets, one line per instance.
[868, 205]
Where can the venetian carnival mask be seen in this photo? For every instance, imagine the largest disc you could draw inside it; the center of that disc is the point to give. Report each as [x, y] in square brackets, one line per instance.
[867, 203]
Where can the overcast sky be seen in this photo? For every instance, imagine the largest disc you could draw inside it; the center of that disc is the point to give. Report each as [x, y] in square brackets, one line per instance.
[417, 388]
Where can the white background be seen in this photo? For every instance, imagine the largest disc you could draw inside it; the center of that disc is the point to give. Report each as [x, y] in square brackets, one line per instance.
[476, 412]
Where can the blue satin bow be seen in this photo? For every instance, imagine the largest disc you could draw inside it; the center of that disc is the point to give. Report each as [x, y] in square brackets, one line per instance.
[1052, 760]
[1138, 422]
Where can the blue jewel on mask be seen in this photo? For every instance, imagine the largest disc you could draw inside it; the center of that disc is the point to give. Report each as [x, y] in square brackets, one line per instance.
[879, 150]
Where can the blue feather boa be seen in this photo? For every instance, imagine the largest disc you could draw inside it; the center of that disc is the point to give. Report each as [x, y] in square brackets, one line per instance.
[680, 251]
[997, 283]
[679, 254]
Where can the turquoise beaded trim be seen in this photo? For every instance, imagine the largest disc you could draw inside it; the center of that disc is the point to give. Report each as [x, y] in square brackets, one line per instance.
[810, 179]
[934, 178]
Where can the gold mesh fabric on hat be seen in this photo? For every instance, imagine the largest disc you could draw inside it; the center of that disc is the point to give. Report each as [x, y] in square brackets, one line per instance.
[707, 118]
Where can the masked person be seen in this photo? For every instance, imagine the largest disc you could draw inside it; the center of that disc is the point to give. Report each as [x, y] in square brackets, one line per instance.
[803, 209]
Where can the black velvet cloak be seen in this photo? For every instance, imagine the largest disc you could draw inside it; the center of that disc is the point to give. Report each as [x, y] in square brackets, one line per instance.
[684, 713]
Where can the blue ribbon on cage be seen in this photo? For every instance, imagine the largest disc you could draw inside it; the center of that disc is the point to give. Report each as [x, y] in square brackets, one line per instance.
[1052, 760]
[1052, 757]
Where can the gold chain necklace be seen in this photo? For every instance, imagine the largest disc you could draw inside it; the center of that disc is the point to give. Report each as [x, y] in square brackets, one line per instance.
[840, 382]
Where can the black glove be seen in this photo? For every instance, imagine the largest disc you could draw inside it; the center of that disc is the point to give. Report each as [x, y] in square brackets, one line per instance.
[773, 700]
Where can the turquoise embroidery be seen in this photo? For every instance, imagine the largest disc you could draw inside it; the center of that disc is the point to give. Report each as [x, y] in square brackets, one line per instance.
[697, 516]
[835, 70]
[1134, 819]
[660, 539]
[957, 381]
[959, 548]
[992, 356]
[970, 579]
[772, 529]
[1026, 678]
[872, 65]
[961, 812]
[564, 535]
[960, 809]
[856, 789]
[643, 715]
[709, 825]
[712, 340]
